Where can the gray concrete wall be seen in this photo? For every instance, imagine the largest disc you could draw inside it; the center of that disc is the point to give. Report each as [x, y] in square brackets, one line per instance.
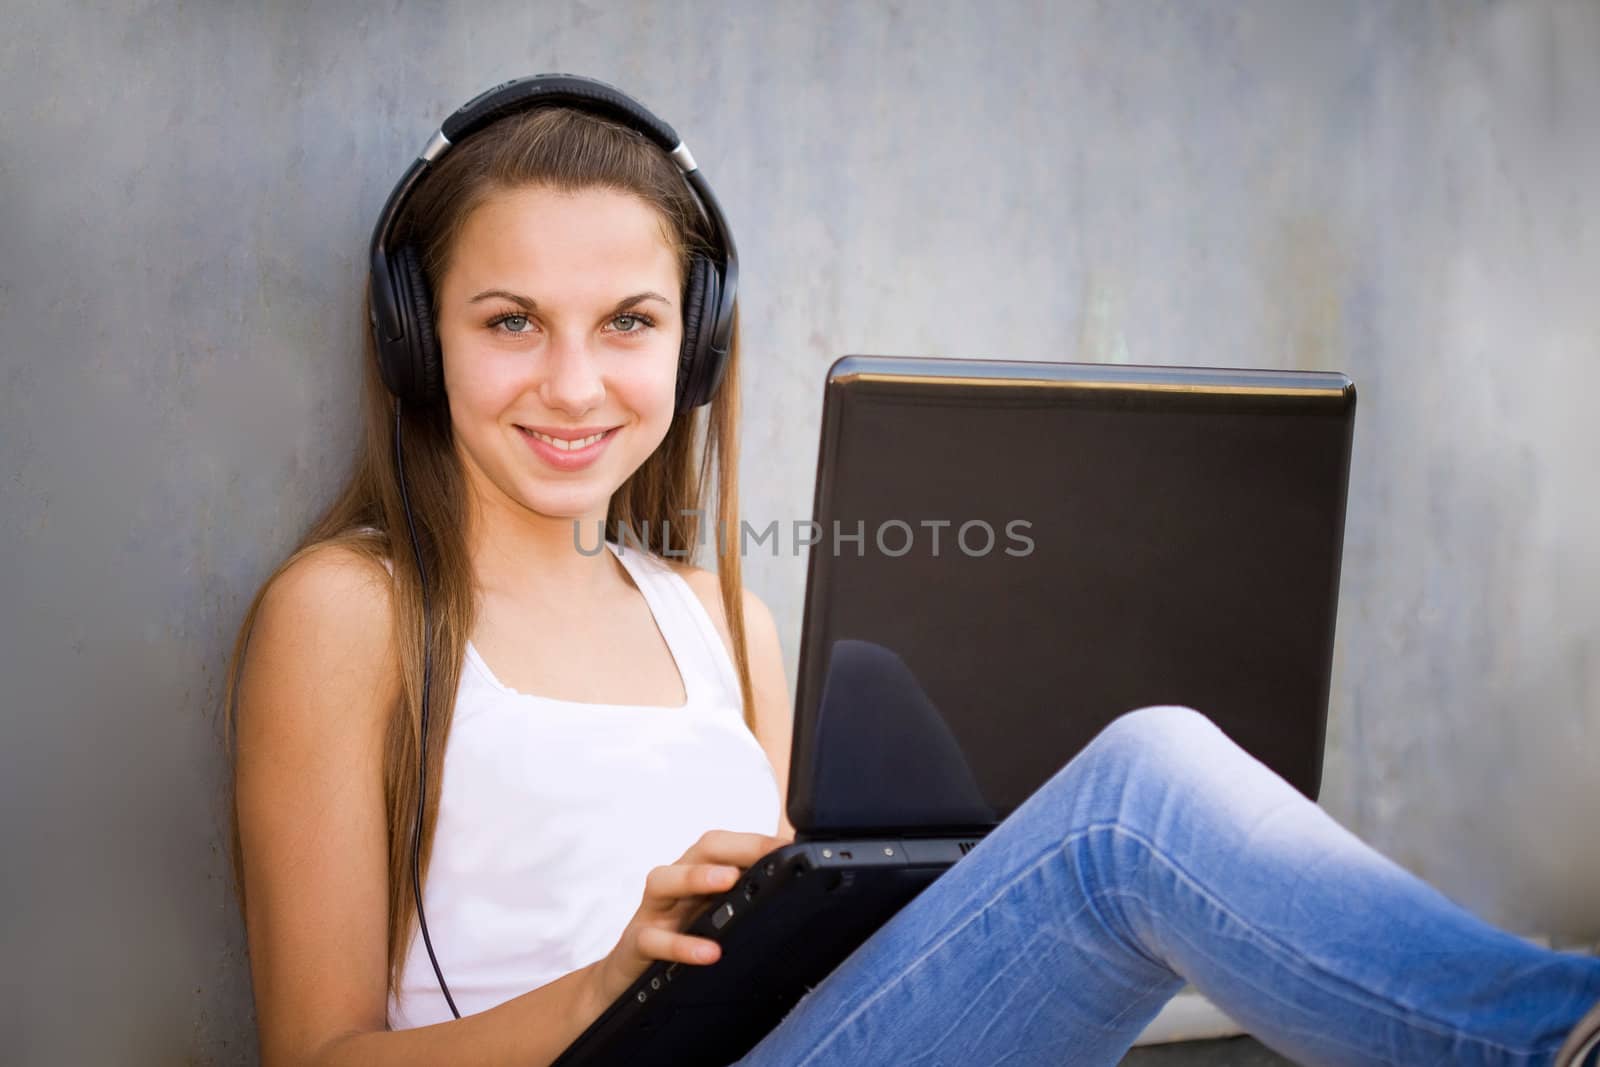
[1408, 192]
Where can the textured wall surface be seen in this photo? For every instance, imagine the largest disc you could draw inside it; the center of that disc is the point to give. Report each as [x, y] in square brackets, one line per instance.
[1409, 192]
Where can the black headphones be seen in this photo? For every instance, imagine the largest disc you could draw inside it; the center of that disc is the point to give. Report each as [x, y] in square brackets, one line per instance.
[401, 308]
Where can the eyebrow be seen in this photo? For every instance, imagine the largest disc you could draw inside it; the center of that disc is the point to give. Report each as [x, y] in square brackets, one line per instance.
[527, 303]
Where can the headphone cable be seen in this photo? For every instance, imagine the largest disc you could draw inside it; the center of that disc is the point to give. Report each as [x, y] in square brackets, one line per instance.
[422, 741]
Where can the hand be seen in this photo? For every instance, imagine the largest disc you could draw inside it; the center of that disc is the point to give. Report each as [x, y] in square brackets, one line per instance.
[673, 896]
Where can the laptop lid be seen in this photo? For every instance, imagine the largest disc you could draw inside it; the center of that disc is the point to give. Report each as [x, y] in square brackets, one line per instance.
[1009, 555]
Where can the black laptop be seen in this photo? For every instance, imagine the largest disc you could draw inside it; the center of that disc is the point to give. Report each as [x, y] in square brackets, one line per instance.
[1007, 557]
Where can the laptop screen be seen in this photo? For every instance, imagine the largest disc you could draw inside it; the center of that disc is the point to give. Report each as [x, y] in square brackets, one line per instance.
[1009, 555]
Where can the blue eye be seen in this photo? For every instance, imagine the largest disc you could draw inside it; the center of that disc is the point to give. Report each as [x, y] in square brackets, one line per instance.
[513, 317]
[517, 323]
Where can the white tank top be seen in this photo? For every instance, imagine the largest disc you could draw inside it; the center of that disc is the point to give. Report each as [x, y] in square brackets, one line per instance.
[553, 811]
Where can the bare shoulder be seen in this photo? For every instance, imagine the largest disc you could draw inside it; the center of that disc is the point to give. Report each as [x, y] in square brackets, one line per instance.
[707, 587]
[332, 577]
[332, 588]
[325, 622]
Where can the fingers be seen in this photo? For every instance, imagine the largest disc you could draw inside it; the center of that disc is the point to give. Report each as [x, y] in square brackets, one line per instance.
[712, 865]
[731, 847]
[658, 943]
[665, 886]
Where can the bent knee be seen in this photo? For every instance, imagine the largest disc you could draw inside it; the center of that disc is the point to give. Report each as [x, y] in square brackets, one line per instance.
[1160, 720]
[1159, 746]
[1158, 733]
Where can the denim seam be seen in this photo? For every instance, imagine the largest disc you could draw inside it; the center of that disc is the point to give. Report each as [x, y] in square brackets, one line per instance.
[1269, 994]
[1333, 984]
[989, 1024]
[911, 965]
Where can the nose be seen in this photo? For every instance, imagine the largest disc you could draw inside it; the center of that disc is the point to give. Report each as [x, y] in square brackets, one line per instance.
[572, 381]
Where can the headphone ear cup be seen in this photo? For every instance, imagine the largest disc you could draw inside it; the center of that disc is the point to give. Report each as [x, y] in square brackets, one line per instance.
[424, 377]
[694, 324]
[700, 299]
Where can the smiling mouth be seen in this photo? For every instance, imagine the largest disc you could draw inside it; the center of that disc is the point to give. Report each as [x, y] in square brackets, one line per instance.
[564, 445]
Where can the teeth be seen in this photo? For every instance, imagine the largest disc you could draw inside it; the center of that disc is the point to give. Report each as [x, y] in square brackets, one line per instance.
[567, 446]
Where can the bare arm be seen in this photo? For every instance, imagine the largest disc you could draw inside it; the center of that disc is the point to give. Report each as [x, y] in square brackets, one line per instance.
[773, 711]
[531, 1029]
[318, 684]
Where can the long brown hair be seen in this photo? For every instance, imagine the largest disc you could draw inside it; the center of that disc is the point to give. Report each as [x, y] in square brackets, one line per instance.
[568, 151]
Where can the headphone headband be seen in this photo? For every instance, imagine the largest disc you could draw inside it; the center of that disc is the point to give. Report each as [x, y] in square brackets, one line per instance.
[556, 90]
[408, 357]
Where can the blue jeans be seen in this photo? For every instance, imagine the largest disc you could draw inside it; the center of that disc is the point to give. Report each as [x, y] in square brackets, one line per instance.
[1164, 852]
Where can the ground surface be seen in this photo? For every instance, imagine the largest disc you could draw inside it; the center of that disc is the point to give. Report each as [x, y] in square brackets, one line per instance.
[1230, 1052]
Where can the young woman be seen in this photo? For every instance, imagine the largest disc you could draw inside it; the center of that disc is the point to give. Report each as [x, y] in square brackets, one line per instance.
[604, 734]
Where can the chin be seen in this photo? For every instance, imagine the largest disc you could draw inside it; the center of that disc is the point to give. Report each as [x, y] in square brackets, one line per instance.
[568, 506]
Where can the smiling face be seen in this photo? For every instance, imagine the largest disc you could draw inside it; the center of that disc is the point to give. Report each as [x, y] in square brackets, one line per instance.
[559, 319]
